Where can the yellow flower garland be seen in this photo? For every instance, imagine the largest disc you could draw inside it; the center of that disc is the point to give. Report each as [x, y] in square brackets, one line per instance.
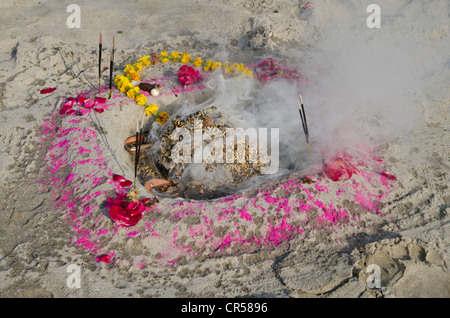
[131, 72]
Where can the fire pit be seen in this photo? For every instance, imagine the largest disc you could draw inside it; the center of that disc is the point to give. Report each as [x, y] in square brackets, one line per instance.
[223, 134]
[205, 168]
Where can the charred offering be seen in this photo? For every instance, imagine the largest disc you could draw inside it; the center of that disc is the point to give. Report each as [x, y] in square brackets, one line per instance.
[202, 156]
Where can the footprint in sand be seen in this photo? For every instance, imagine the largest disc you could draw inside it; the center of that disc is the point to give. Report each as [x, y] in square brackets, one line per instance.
[406, 268]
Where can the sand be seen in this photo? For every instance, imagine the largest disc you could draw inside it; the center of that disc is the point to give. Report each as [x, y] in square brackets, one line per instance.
[55, 170]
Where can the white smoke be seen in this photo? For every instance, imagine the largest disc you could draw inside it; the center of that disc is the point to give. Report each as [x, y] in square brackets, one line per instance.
[363, 86]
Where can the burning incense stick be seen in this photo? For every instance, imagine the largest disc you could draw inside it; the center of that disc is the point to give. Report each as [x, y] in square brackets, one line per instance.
[301, 110]
[136, 159]
[111, 65]
[136, 153]
[139, 141]
[99, 62]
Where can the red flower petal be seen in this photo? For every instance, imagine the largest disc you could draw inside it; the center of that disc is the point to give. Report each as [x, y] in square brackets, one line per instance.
[340, 167]
[105, 258]
[123, 182]
[99, 110]
[100, 100]
[126, 183]
[48, 90]
[117, 177]
[188, 75]
[122, 217]
[89, 103]
[389, 176]
[66, 110]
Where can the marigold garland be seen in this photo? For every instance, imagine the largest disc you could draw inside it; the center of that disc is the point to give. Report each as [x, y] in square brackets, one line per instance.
[131, 73]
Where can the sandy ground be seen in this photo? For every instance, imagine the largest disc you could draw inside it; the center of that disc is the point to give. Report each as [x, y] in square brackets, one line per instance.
[398, 73]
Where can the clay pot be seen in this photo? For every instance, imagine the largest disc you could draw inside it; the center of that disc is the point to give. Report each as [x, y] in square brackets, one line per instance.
[130, 144]
[153, 185]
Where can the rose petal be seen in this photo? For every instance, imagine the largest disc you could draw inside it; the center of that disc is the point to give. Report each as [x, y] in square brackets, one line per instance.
[123, 182]
[89, 103]
[100, 100]
[66, 109]
[340, 167]
[117, 177]
[122, 217]
[389, 176]
[105, 258]
[99, 110]
[48, 90]
[126, 183]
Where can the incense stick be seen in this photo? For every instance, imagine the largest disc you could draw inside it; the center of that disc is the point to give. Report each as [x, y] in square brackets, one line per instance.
[99, 62]
[136, 159]
[139, 141]
[111, 66]
[136, 156]
[301, 110]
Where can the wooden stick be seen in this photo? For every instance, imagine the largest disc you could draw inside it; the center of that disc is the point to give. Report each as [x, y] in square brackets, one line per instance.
[99, 62]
